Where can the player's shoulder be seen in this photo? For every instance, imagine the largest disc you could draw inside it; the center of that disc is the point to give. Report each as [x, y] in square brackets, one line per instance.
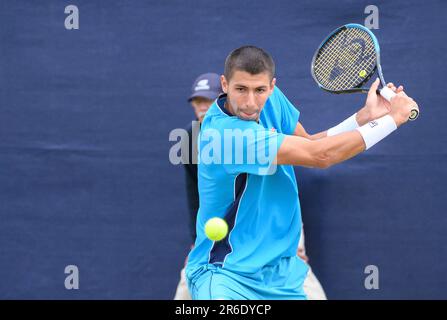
[280, 101]
[277, 91]
[277, 95]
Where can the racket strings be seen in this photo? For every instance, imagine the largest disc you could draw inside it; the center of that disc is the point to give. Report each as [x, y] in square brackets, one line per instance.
[345, 60]
[338, 69]
[336, 55]
[335, 69]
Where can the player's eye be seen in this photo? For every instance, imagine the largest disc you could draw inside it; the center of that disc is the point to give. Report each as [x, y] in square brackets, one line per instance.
[240, 89]
[260, 90]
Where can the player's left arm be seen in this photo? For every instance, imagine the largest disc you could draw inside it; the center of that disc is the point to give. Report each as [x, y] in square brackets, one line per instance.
[375, 107]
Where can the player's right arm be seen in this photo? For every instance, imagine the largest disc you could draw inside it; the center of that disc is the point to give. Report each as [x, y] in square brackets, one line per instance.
[322, 153]
[327, 151]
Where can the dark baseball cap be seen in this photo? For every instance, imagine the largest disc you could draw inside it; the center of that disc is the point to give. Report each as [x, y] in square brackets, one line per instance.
[207, 85]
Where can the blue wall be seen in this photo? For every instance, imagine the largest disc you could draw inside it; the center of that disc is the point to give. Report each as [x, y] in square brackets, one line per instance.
[85, 115]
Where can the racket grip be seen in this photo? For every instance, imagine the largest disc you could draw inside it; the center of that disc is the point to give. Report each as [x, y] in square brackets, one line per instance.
[387, 93]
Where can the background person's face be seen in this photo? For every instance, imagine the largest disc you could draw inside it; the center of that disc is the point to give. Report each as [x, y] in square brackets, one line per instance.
[200, 106]
[247, 93]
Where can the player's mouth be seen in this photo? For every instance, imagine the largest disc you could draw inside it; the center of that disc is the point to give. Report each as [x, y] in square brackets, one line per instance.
[250, 116]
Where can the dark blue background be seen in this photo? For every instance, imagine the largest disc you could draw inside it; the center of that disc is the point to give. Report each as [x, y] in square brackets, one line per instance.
[85, 116]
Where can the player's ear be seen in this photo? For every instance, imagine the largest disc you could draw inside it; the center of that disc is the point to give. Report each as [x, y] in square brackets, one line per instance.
[224, 83]
[272, 85]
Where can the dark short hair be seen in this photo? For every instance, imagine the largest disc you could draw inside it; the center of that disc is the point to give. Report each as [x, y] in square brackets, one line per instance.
[250, 59]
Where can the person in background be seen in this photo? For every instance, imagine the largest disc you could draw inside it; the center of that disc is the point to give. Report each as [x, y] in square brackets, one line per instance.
[205, 89]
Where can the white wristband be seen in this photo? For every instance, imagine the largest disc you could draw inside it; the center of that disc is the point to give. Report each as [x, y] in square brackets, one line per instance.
[376, 130]
[347, 125]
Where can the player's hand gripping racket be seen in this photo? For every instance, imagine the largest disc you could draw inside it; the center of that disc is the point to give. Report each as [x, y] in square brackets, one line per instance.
[347, 59]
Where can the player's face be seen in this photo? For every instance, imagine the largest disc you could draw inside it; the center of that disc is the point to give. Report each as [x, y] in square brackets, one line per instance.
[247, 93]
[201, 106]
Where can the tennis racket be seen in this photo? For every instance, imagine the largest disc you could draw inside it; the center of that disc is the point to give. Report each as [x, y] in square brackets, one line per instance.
[347, 59]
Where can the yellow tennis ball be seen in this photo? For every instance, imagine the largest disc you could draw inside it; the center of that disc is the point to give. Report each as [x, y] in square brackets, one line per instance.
[362, 73]
[216, 229]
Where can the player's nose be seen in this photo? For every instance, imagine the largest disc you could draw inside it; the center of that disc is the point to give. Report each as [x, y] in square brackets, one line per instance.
[251, 103]
[251, 99]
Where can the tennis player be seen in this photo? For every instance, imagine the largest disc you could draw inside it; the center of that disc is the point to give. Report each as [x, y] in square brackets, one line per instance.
[249, 141]
[205, 89]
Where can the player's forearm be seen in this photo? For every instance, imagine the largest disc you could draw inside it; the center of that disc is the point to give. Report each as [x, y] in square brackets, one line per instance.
[321, 153]
[341, 147]
[325, 152]
[362, 117]
[358, 119]
[335, 149]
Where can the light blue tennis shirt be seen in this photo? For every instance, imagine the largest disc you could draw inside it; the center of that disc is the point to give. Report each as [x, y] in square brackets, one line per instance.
[258, 199]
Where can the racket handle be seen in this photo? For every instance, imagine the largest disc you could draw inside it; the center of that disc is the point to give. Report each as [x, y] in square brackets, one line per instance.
[387, 93]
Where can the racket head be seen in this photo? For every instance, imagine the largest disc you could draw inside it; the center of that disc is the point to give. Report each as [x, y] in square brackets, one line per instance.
[346, 60]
